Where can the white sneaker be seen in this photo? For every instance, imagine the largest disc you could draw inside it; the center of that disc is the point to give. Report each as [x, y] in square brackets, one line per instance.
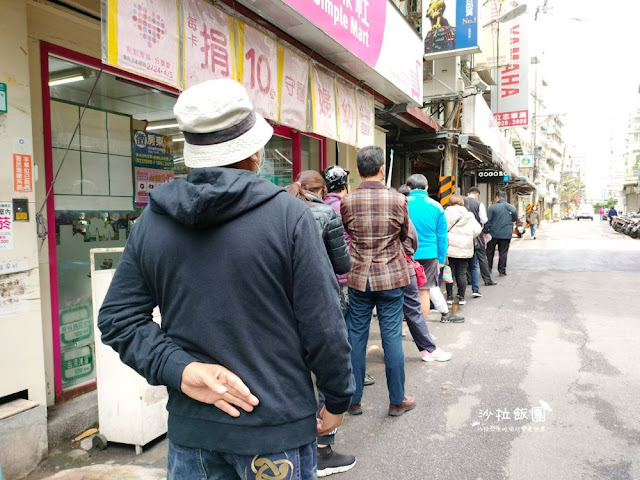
[436, 356]
[476, 294]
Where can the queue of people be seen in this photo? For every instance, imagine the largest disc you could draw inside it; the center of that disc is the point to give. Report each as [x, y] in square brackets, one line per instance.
[265, 294]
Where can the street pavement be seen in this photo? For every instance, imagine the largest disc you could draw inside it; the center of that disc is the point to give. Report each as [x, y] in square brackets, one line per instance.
[544, 381]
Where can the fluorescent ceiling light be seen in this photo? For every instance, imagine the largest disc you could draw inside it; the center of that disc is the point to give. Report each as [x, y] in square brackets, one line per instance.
[62, 81]
[178, 139]
[162, 127]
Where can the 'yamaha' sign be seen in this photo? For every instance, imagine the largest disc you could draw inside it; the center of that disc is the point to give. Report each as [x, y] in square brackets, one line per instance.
[490, 176]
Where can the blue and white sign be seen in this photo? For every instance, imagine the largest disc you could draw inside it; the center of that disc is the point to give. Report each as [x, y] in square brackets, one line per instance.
[451, 28]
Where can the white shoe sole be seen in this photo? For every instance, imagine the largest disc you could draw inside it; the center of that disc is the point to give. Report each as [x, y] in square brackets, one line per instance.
[330, 471]
[431, 359]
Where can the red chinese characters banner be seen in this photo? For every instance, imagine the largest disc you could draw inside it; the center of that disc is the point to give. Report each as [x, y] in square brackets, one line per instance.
[347, 114]
[294, 89]
[209, 46]
[143, 38]
[323, 104]
[258, 69]
[22, 175]
[366, 120]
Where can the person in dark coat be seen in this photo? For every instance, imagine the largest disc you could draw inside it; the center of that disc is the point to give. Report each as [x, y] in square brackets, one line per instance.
[248, 301]
[501, 216]
[310, 187]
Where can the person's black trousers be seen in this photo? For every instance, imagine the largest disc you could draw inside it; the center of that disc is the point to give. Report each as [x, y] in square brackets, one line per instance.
[503, 251]
[459, 271]
[481, 252]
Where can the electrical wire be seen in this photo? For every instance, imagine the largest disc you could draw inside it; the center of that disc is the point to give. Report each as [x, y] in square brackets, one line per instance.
[41, 223]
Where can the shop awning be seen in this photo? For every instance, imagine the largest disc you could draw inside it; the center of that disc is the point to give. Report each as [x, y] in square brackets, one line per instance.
[370, 40]
[522, 185]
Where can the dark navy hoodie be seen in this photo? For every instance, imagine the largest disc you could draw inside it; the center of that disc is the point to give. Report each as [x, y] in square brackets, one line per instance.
[243, 280]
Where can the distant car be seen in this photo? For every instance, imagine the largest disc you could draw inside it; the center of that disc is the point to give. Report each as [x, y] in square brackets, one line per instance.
[585, 212]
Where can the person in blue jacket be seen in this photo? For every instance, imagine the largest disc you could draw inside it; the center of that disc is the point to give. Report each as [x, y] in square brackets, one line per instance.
[428, 218]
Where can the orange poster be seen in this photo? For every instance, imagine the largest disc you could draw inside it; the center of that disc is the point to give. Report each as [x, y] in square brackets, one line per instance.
[22, 173]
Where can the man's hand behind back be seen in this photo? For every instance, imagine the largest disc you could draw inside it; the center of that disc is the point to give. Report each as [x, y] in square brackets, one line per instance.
[217, 386]
[328, 422]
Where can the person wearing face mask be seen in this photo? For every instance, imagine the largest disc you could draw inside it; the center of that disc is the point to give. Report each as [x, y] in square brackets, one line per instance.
[249, 308]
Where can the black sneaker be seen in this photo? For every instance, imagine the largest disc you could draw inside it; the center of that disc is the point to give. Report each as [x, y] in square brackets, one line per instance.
[355, 409]
[330, 462]
[368, 380]
[502, 274]
[449, 300]
[490, 283]
[461, 300]
[451, 317]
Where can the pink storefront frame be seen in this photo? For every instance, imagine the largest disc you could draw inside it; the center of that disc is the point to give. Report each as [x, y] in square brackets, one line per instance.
[46, 50]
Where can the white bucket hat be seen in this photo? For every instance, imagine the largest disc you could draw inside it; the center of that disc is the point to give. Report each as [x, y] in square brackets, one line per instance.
[219, 123]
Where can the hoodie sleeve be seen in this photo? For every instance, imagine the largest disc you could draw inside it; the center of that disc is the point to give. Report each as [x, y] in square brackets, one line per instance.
[441, 235]
[321, 324]
[126, 323]
[336, 244]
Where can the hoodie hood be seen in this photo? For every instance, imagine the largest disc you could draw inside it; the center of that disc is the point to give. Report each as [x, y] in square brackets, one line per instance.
[211, 196]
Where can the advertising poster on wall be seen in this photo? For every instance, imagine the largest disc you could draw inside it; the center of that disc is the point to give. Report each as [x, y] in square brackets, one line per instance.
[258, 69]
[147, 179]
[153, 163]
[347, 114]
[510, 100]
[209, 44]
[366, 120]
[453, 28]
[22, 175]
[294, 85]
[323, 104]
[6, 226]
[142, 37]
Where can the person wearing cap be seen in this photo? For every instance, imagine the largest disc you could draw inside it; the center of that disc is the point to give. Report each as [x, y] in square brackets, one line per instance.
[226, 256]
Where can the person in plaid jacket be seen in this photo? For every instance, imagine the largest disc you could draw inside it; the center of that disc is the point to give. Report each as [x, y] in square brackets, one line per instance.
[377, 220]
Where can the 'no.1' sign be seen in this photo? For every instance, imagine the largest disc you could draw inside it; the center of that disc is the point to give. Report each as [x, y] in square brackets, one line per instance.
[258, 62]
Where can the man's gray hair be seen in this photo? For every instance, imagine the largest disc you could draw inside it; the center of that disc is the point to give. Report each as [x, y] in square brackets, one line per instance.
[417, 181]
[501, 195]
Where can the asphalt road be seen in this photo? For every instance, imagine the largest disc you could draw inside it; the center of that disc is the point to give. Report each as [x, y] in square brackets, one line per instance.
[545, 378]
[544, 382]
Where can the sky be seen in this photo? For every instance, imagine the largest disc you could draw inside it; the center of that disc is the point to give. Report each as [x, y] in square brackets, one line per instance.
[592, 68]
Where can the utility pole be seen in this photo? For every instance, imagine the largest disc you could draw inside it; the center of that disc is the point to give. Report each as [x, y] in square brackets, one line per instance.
[534, 128]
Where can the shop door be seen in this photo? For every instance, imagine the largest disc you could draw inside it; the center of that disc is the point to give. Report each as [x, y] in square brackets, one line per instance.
[278, 164]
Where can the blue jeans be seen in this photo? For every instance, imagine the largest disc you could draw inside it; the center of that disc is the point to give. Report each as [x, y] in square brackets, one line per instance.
[533, 229]
[473, 273]
[200, 464]
[389, 306]
[415, 317]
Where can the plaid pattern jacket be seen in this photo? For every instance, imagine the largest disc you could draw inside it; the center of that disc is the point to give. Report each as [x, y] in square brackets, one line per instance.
[377, 220]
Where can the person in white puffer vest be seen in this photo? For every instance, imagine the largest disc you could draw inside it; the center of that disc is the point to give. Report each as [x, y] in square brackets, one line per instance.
[462, 228]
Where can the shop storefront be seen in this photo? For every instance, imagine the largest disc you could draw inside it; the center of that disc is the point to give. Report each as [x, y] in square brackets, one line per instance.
[105, 135]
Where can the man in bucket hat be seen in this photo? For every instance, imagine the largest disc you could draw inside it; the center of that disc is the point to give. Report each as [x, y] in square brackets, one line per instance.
[237, 268]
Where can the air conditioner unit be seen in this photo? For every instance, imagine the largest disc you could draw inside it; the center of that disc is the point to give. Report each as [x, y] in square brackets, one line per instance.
[442, 78]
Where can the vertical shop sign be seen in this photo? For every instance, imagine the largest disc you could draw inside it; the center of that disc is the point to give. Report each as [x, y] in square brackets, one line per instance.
[347, 114]
[153, 163]
[323, 104]
[294, 89]
[142, 37]
[22, 173]
[6, 226]
[258, 69]
[454, 28]
[366, 125]
[510, 100]
[208, 43]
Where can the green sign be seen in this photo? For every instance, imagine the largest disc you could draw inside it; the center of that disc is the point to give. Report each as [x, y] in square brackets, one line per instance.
[77, 364]
[3, 98]
[76, 324]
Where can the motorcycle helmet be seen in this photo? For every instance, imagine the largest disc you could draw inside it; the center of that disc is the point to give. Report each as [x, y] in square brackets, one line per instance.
[336, 178]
